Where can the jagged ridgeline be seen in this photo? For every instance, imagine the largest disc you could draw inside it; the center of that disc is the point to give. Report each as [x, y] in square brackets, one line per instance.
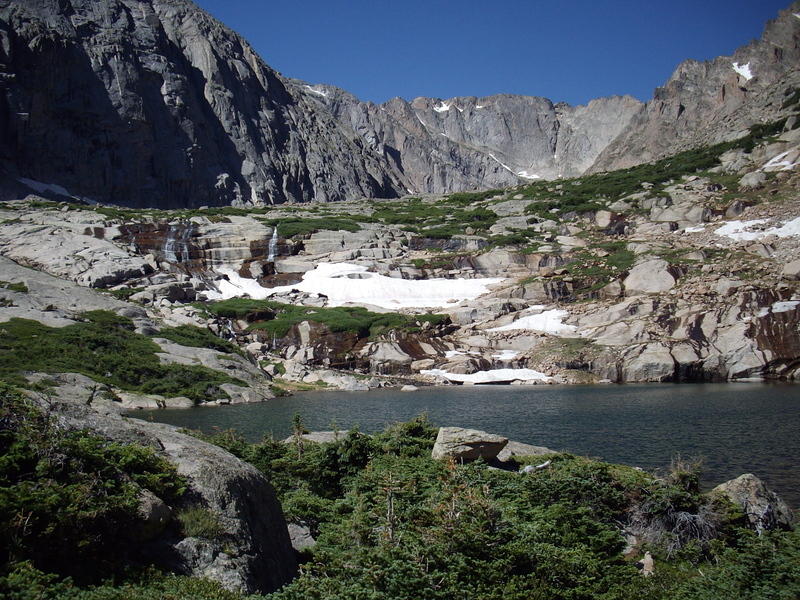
[157, 104]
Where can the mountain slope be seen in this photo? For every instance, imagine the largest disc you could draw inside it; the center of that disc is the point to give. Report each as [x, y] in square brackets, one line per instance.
[708, 102]
[156, 104]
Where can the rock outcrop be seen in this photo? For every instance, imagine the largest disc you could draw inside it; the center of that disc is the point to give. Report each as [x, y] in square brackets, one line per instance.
[253, 555]
[704, 103]
[762, 507]
[467, 444]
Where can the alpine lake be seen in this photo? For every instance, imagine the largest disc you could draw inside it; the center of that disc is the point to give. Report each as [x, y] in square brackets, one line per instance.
[734, 428]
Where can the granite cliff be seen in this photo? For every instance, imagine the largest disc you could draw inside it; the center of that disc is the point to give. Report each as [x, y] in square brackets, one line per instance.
[157, 104]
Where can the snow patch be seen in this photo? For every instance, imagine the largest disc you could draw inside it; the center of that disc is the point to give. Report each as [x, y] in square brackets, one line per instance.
[345, 283]
[787, 306]
[491, 376]
[743, 70]
[738, 230]
[523, 174]
[317, 92]
[443, 107]
[549, 321]
[777, 163]
[696, 229]
[479, 106]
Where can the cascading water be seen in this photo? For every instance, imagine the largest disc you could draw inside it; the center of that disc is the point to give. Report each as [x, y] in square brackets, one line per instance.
[176, 246]
[273, 245]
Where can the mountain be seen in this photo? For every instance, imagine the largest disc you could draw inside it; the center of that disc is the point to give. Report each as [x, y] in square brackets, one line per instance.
[156, 104]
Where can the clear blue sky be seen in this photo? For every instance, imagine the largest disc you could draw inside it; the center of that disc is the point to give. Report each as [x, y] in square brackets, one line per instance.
[569, 51]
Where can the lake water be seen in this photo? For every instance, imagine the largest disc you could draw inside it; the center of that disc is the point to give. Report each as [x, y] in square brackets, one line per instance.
[735, 428]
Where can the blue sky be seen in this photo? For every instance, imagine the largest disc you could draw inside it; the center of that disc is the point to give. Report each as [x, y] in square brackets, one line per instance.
[569, 51]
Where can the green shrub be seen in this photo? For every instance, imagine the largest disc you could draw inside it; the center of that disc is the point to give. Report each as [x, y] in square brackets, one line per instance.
[105, 348]
[195, 337]
[16, 286]
[198, 521]
[67, 496]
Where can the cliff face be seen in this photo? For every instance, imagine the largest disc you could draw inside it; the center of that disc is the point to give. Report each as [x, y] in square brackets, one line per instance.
[708, 102]
[154, 103]
[157, 104]
[440, 146]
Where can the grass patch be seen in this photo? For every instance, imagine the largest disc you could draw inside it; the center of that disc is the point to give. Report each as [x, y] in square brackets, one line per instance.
[582, 194]
[124, 293]
[195, 337]
[16, 286]
[289, 227]
[278, 319]
[197, 521]
[104, 347]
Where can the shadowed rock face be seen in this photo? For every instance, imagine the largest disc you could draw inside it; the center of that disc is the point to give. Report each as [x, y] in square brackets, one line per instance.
[157, 104]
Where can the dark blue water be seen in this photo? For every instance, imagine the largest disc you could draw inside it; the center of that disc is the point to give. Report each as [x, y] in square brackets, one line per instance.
[735, 428]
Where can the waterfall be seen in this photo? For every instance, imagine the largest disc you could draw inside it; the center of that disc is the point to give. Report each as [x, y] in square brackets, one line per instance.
[273, 245]
[176, 246]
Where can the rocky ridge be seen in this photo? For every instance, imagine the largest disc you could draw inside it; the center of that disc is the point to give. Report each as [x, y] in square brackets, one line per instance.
[158, 104]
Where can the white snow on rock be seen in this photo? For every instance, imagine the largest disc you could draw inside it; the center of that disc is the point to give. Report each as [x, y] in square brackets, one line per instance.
[779, 307]
[786, 306]
[443, 107]
[696, 229]
[479, 106]
[738, 230]
[743, 70]
[491, 376]
[506, 355]
[345, 283]
[317, 92]
[549, 321]
[528, 175]
[779, 163]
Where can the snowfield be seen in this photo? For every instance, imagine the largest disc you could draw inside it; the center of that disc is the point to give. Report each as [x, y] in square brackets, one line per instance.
[738, 230]
[549, 321]
[345, 283]
[492, 376]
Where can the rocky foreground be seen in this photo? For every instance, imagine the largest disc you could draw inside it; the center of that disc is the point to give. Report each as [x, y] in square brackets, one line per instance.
[684, 270]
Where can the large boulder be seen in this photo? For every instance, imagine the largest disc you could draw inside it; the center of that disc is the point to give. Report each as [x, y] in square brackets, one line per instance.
[650, 277]
[763, 508]
[467, 444]
[255, 553]
[514, 449]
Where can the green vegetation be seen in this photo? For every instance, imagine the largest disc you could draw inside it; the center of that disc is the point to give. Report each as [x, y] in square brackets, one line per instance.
[391, 523]
[197, 521]
[16, 286]
[440, 220]
[124, 293]
[195, 337]
[582, 194]
[277, 318]
[67, 497]
[104, 347]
